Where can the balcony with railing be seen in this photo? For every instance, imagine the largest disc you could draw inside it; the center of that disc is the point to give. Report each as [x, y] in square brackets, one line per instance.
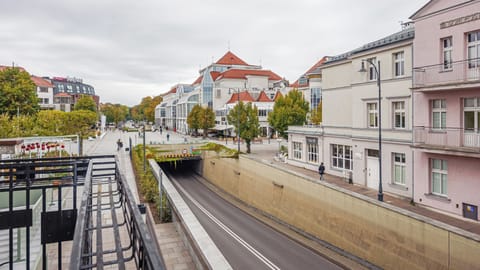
[448, 73]
[447, 138]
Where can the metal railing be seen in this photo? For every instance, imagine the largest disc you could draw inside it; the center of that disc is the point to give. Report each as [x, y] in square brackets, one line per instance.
[447, 73]
[57, 180]
[20, 182]
[447, 137]
[137, 250]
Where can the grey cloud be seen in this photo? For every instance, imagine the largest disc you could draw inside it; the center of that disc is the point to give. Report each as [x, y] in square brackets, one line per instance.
[128, 50]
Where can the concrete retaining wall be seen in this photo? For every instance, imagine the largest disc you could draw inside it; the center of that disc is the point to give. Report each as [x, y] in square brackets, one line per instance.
[382, 234]
[201, 247]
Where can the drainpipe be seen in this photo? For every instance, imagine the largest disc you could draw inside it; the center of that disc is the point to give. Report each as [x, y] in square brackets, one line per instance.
[412, 128]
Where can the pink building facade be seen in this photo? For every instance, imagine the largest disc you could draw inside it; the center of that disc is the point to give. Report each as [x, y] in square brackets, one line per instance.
[446, 107]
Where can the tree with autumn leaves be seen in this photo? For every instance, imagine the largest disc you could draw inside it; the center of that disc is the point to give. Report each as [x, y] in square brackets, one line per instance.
[146, 109]
[290, 110]
[18, 94]
[201, 118]
[244, 118]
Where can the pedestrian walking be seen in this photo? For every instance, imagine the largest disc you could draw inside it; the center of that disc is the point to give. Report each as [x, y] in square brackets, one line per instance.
[321, 170]
[119, 144]
[168, 137]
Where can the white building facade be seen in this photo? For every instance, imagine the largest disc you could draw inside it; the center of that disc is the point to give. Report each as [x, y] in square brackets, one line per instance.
[347, 142]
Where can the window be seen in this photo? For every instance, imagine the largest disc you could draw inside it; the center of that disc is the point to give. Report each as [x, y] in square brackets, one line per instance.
[399, 168]
[60, 87]
[398, 114]
[218, 93]
[471, 114]
[372, 115]
[303, 80]
[312, 150]
[439, 177]
[43, 90]
[262, 112]
[372, 74]
[473, 49]
[447, 53]
[341, 156]
[315, 97]
[297, 150]
[399, 64]
[439, 114]
[69, 88]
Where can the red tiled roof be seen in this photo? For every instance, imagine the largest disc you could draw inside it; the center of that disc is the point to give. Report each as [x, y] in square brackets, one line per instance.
[242, 73]
[244, 96]
[230, 59]
[5, 67]
[277, 96]
[173, 90]
[198, 80]
[62, 95]
[40, 82]
[296, 84]
[263, 97]
[214, 74]
[318, 64]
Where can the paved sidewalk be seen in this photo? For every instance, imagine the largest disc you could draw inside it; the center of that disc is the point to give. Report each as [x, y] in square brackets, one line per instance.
[174, 253]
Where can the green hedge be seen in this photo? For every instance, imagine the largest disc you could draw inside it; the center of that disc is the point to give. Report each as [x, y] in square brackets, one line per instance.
[148, 184]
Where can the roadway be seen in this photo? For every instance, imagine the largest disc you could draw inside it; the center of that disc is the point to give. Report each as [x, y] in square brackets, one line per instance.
[245, 242]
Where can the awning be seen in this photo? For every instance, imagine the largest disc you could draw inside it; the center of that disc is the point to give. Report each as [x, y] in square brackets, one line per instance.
[222, 127]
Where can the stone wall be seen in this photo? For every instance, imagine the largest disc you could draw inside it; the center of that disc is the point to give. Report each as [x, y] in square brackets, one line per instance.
[382, 234]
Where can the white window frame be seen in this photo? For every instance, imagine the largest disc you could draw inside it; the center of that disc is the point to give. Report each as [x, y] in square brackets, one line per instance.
[439, 175]
[372, 115]
[297, 150]
[473, 49]
[340, 156]
[447, 47]
[439, 109]
[473, 108]
[399, 64]
[399, 169]
[401, 113]
[312, 152]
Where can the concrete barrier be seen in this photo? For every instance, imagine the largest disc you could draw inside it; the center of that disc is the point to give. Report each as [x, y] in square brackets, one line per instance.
[385, 235]
[201, 247]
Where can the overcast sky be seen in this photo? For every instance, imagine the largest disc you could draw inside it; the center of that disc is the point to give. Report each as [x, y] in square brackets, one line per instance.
[131, 49]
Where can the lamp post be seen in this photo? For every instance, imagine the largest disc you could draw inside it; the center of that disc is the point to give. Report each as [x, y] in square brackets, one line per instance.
[377, 72]
[238, 120]
[144, 151]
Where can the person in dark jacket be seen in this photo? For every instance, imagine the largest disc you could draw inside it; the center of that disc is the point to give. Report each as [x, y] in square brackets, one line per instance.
[321, 170]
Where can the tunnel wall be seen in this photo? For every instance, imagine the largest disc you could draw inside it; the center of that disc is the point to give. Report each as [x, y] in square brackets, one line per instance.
[384, 235]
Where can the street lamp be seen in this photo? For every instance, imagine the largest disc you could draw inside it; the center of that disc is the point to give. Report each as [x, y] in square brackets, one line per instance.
[238, 120]
[144, 150]
[377, 72]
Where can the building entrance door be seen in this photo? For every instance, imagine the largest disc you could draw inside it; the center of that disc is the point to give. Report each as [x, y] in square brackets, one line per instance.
[372, 169]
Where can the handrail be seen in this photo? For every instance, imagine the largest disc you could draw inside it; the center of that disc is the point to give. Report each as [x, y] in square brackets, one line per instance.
[144, 253]
[150, 252]
[82, 222]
